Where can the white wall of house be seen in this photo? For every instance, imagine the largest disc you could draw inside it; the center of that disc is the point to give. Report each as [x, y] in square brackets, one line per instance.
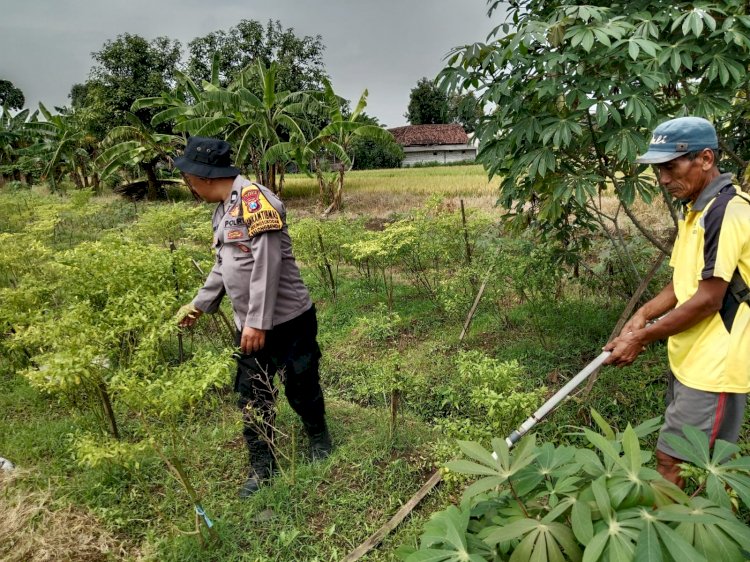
[440, 153]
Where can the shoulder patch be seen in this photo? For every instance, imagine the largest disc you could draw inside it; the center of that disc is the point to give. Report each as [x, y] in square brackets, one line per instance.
[258, 213]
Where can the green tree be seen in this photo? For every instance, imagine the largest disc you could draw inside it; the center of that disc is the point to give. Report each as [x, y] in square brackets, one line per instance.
[577, 90]
[342, 131]
[330, 149]
[127, 68]
[278, 115]
[252, 124]
[11, 96]
[370, 154]
[466, 110]
[299, 60]
[64, 147]
[428, 104]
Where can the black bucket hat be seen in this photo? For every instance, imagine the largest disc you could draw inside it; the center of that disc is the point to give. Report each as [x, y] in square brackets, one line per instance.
[207, 158]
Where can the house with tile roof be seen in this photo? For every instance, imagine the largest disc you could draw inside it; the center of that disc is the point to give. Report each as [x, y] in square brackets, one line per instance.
[434, 143]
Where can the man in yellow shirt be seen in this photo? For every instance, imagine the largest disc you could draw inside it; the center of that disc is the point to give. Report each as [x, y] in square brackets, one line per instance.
[708, 324]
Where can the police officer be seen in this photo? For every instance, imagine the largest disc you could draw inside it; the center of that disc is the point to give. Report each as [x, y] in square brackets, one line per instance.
[275, 318]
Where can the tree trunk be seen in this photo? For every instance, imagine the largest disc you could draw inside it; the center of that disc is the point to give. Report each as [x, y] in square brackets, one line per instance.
[95, 182]
[321, 184]
[272, 177]
[257, 171]
[339, 192]
[76, 179]
[109, 412]
[282, 170]
[153, 183]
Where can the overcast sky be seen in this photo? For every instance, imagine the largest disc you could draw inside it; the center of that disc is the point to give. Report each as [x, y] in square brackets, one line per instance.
[382, 45]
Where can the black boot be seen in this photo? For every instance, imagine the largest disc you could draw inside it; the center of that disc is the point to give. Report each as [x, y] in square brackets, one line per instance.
[262, 467]
[320, 444]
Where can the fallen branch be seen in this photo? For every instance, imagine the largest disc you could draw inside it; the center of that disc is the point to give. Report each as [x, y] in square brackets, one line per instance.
[381, 533]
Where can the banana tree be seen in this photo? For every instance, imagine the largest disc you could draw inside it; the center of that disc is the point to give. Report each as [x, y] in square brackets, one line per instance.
[274, 120]
[137, 144]
[66, 147]
[14, 137]
[253, 124]
[337, 138]
[187, 108]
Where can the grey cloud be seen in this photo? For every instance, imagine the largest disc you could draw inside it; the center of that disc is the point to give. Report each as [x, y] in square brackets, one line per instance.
[384, 46]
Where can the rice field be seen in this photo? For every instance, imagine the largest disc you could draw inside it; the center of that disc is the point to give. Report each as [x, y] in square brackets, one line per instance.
[381, 192]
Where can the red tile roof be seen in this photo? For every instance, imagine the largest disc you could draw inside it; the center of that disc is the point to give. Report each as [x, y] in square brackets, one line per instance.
[421, 135]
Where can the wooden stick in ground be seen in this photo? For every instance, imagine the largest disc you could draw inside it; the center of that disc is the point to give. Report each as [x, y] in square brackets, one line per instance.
[472, 277]
[327, 265]
[474, 306]
[381, 533]
[180, 347]
[466, 233]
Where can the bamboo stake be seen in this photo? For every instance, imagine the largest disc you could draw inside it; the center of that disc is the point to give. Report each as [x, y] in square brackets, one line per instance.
[474, 306]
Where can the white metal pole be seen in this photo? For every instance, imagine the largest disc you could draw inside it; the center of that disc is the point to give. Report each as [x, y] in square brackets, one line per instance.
[559, 396]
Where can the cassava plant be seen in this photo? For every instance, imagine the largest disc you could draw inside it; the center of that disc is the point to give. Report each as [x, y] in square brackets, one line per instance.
[576, 90]
[601, 502]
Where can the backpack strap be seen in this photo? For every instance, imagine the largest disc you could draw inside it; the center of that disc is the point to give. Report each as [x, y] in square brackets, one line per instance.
[737, 286]
[739, 289]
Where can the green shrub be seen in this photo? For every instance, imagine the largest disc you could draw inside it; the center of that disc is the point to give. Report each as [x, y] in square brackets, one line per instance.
[379, 325]
[369, 154]
[484, 398]
[321, 245]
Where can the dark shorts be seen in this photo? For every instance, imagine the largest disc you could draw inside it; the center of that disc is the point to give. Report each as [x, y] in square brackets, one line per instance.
[718, 414]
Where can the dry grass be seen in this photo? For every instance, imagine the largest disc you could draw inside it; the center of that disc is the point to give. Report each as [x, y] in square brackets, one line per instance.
[34, 529]
[380, 193]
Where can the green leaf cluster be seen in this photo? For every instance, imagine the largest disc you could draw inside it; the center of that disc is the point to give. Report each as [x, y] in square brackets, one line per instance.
[552, 503]
[575, 90]
[98, 317]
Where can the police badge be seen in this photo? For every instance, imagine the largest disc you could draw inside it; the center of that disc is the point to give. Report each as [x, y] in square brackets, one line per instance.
[251, 198]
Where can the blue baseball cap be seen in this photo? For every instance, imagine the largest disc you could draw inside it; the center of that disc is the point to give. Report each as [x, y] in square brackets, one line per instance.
[677, 137]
